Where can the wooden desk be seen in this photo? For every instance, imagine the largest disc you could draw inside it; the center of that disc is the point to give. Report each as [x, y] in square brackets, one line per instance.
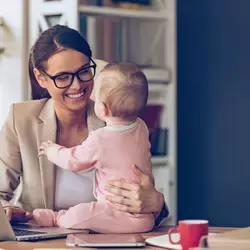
[60, 243]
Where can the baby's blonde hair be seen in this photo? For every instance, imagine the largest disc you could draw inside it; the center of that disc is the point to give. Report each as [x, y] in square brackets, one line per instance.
[125, 92]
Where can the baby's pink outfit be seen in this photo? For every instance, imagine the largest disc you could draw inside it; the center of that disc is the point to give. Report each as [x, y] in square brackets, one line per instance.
[112, 151]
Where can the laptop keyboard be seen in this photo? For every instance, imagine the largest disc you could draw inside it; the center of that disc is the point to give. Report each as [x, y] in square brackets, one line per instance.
[21, 232]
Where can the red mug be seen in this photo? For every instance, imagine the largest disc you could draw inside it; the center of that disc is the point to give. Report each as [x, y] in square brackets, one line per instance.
[191, 231]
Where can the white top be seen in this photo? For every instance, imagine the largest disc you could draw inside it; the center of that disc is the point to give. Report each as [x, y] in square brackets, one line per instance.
[73, 188]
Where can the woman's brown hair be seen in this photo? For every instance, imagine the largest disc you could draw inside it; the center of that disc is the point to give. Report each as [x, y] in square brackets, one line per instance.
[50, 42]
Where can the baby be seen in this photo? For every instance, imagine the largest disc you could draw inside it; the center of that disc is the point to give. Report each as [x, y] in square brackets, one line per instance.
[121, 94]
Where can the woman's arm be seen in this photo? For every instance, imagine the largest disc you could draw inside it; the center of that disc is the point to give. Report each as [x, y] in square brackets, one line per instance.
[10, 160]
[10, 169]
[139, 198]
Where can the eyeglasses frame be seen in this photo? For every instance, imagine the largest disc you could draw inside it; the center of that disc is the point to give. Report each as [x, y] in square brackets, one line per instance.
[73, 74]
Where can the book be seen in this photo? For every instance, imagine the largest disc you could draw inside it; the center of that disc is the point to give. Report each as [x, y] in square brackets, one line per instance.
[237, 238]
[199, 248]
[156, 74]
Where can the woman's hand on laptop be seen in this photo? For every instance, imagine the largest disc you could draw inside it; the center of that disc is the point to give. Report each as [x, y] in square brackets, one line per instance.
[136, 198]
[18, 214]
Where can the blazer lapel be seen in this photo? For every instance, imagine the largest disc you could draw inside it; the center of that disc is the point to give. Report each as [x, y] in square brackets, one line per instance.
[47, 131]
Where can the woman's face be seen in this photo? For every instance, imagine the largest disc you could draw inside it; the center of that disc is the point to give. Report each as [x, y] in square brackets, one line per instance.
[76, 96]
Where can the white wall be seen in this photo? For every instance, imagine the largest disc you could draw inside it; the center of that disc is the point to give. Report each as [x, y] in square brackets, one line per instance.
[13, 72]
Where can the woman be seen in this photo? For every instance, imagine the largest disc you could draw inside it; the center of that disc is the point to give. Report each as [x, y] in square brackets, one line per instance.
[61, 74]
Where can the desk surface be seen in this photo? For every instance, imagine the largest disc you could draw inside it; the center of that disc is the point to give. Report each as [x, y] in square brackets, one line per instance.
[60, 243]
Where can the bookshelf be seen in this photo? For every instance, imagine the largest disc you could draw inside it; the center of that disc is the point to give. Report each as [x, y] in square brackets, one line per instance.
[151, 30]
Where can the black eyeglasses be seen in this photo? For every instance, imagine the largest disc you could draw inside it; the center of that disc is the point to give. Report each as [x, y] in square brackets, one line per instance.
[65, 79]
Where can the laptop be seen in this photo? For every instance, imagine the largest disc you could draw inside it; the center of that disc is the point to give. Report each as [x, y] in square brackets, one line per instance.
[31, 232]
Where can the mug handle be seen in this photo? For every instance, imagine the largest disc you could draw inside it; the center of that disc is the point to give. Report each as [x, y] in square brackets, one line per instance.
[170, 232]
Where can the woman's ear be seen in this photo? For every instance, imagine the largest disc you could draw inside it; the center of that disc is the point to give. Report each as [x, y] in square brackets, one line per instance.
[41, 79]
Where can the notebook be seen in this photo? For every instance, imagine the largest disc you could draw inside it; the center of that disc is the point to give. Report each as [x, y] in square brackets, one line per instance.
[237, 238]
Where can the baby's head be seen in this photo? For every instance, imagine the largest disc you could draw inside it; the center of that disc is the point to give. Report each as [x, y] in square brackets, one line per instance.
[122, 92]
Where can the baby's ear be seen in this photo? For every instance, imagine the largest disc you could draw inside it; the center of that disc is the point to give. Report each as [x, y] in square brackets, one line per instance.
[105, 110]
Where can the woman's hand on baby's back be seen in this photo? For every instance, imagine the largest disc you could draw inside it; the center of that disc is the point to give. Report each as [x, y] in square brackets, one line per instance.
[136, 198]
[18, 214]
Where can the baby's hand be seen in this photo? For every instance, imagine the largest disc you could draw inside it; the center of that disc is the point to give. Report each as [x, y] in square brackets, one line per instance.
[43, 149]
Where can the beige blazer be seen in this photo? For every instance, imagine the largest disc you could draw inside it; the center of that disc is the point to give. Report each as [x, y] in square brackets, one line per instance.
[28, 124]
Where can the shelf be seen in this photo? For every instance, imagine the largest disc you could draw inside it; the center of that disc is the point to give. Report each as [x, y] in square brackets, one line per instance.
[125, 13]
[159, 160]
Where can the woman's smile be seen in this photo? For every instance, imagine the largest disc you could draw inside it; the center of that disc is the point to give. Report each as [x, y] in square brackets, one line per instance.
[76, 96]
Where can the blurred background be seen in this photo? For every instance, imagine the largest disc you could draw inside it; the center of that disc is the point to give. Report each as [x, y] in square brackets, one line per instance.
[195, 55]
